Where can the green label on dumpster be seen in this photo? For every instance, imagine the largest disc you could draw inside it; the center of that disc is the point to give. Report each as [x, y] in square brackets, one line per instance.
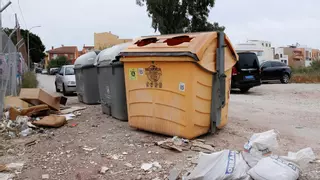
[133, 72]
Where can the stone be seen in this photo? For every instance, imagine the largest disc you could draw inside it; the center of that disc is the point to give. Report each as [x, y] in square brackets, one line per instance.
[45, 176]
[104, 170]
[10, 151]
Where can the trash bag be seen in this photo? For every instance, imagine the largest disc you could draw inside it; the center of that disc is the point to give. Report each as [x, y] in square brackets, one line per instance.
[301, 158]
[274, 167]
[223, 165]
[260, 145]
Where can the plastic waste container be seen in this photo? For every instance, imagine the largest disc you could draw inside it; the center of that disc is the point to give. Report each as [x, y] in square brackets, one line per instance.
[179, 85]
[86, 78]
[111, 82]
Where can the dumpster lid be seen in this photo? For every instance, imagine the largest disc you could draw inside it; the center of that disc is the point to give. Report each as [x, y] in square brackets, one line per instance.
[86, 59]
[111, 54]
[188, 44]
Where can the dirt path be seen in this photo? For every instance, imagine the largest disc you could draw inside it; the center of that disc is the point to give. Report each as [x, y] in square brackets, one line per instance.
[293, 110]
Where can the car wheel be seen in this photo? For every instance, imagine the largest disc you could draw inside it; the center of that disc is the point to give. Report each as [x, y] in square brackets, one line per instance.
[244, 90]
[285, 79]
[64, 90]
[57, 89]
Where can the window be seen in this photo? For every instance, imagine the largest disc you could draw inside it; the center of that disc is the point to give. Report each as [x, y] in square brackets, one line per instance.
[262, 44]
[71, 56]
[61, 71]
[280, 55]
[69, 71]
[276, 64]
[259, 53]
[266, 64]
[54, 56]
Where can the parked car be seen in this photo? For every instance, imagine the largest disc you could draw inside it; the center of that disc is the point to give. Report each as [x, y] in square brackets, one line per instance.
[246, 72]
[275, 70]
[66, 80]
[44, 71]
[38, 70]
[54, 71]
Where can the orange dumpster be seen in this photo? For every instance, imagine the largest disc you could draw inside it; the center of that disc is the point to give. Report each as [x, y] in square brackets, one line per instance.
[179, 85]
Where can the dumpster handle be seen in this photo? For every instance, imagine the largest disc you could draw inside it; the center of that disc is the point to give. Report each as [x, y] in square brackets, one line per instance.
[218, 94]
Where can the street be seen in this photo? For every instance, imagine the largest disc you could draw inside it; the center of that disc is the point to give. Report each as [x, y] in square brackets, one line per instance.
[292, 109]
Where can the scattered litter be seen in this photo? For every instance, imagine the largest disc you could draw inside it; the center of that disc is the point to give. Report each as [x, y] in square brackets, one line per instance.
[179, 144]
[146, 166]
[26, 132]
[103, 170]
[149, 152]
[149, 166]
[10, 151]
[220, 165]
[6, 176]
[12, 167]
[86, 148]
[72, 110]
[125, 153]
[39, 110]
[30, 125]
[129, 165]
[69, 116]
[45, 176]
[51, 121]
[174, 174]
[31, 143]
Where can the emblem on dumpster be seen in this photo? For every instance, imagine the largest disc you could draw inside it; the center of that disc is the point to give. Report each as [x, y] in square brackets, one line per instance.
[133, 73]
[154, 74]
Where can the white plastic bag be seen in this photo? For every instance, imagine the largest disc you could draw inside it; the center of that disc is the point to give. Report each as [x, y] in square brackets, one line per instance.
[260, 145]
[223, 165]
[301, 158]
[274, 167]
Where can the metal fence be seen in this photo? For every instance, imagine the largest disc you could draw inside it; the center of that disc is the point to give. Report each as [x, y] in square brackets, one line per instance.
[12, 66]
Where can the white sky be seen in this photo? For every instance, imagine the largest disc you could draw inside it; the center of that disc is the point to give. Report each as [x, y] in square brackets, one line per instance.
[73, 22]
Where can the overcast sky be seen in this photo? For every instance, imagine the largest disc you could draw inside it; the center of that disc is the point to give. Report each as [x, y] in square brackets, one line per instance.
[73, 22]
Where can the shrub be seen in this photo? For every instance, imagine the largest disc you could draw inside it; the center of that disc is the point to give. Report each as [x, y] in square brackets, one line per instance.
[309, 74]
[58, 62]
[29, 80]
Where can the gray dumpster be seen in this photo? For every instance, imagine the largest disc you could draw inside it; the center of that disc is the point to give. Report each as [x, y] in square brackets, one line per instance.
[111, 82]
[86, 78]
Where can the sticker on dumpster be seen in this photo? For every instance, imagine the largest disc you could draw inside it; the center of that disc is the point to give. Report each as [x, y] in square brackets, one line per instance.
[154, 74]
[141, 71]
[182, 86]
[133, 74]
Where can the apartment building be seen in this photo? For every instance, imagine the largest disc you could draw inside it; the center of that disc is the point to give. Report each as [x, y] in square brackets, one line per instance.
[263, 49]
[279, 54]
[107, 39]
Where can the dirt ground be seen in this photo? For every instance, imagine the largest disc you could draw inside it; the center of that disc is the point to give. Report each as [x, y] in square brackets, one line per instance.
[293, 110]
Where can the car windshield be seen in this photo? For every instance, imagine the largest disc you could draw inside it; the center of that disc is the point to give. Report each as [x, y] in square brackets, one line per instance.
[248, 60]
[69, 71]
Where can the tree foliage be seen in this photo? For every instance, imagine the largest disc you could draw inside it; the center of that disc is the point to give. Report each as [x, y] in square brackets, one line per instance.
[59, 62]
[36, 46]
[177, 16]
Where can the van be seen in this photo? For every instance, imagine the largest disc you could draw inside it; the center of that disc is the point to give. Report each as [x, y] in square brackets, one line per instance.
[246, 72]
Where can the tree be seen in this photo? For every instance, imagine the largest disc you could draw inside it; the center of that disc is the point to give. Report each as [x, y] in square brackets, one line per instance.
[177, 16]
[59, 62]
[36, 46]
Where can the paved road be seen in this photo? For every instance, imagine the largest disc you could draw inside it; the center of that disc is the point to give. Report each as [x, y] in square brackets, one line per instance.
[292, 109]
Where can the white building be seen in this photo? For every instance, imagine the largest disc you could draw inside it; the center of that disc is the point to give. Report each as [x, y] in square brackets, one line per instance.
[279, 55]
[263, 49]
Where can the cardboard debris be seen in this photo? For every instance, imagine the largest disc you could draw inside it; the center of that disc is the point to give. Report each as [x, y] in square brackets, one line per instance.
[51, 121]
[36, 96]
[14, 101]
[39, 110]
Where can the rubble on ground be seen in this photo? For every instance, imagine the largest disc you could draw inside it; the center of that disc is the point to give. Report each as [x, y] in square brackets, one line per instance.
[34, 110]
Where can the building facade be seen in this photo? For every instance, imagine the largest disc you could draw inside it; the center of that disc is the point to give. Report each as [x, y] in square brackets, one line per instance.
[86, 49]
[71, 52]
[263, 49]
[279, 54]
[107, 39]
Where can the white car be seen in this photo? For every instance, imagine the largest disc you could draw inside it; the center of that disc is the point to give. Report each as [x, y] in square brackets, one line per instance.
[66, 80]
